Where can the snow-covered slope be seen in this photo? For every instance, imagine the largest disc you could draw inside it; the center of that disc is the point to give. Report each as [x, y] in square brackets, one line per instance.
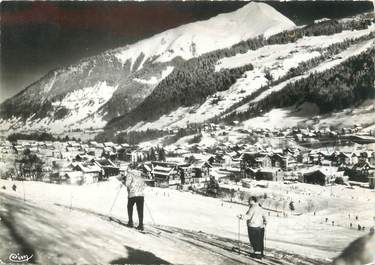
[304, 234]
[194, 39]
[276, 59]
[130, 73]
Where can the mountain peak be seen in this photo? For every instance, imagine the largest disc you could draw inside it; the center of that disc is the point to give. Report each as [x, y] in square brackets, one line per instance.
[200, 37]
[109, 85]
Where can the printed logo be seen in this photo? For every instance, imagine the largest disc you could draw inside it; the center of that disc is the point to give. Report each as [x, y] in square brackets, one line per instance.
[19, 258]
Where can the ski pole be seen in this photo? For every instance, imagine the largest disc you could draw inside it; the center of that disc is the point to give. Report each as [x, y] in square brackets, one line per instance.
[239, 227]
[264, 239]
[114, 201]
[24, 192]
[148, 209]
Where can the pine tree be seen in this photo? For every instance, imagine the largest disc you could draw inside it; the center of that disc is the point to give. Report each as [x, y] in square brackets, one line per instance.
[152, 154]
[162, 154]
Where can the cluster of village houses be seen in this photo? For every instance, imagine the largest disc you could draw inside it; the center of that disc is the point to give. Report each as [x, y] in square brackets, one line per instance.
[80, 163]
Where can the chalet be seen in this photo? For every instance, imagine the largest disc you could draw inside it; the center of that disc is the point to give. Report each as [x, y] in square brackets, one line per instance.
[314, 157]
[200, 171]
[91, 172]
[255, 160]
[327, 155]
[165, 174]
[210, 159]
[285, 162]
[321, 175]
[108, 168]
[344, 159]
[124, 154]
[270, 174]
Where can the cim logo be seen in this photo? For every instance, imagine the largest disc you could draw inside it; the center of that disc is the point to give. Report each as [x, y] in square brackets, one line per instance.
[19, 258]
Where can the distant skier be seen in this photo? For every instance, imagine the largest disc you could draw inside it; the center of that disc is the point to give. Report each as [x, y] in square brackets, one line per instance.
[14, 187]
[256, 222]
[135, 185]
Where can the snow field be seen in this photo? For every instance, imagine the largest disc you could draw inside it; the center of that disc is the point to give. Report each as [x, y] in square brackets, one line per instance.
[306, 234]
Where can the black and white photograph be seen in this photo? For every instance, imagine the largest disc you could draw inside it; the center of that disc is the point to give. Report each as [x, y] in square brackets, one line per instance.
[187, 132]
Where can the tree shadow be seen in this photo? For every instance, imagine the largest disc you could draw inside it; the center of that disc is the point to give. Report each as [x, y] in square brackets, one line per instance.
[136, 256]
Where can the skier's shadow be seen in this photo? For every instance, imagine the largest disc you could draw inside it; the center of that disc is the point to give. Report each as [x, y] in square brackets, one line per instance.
[136, 256]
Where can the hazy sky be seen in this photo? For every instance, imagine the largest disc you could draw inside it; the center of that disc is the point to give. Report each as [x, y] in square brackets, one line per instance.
[37, 37]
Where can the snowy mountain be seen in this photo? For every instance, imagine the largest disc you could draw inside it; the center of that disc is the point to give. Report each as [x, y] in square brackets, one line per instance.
[253, 66]
[100, 88]
[242, 82]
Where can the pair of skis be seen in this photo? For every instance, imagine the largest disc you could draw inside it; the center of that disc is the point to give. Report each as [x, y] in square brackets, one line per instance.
[122, 223]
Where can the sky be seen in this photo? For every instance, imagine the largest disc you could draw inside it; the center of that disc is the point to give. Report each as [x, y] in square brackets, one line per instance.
[37, 37]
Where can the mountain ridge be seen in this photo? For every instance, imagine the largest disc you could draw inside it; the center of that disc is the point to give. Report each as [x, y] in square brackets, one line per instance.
[126, 76]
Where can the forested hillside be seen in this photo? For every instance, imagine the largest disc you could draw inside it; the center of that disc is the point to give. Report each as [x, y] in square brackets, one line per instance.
[345, 85]
[190, 83]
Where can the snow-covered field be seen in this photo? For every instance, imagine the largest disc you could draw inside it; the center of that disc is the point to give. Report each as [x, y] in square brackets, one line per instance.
[51, 234]
[306, 234]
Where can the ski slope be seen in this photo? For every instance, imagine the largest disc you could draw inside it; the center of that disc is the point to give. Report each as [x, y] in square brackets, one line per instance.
[306, 235]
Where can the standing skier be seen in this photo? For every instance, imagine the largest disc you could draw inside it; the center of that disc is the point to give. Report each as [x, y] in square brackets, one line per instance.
[256, 222]
[135, 185]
